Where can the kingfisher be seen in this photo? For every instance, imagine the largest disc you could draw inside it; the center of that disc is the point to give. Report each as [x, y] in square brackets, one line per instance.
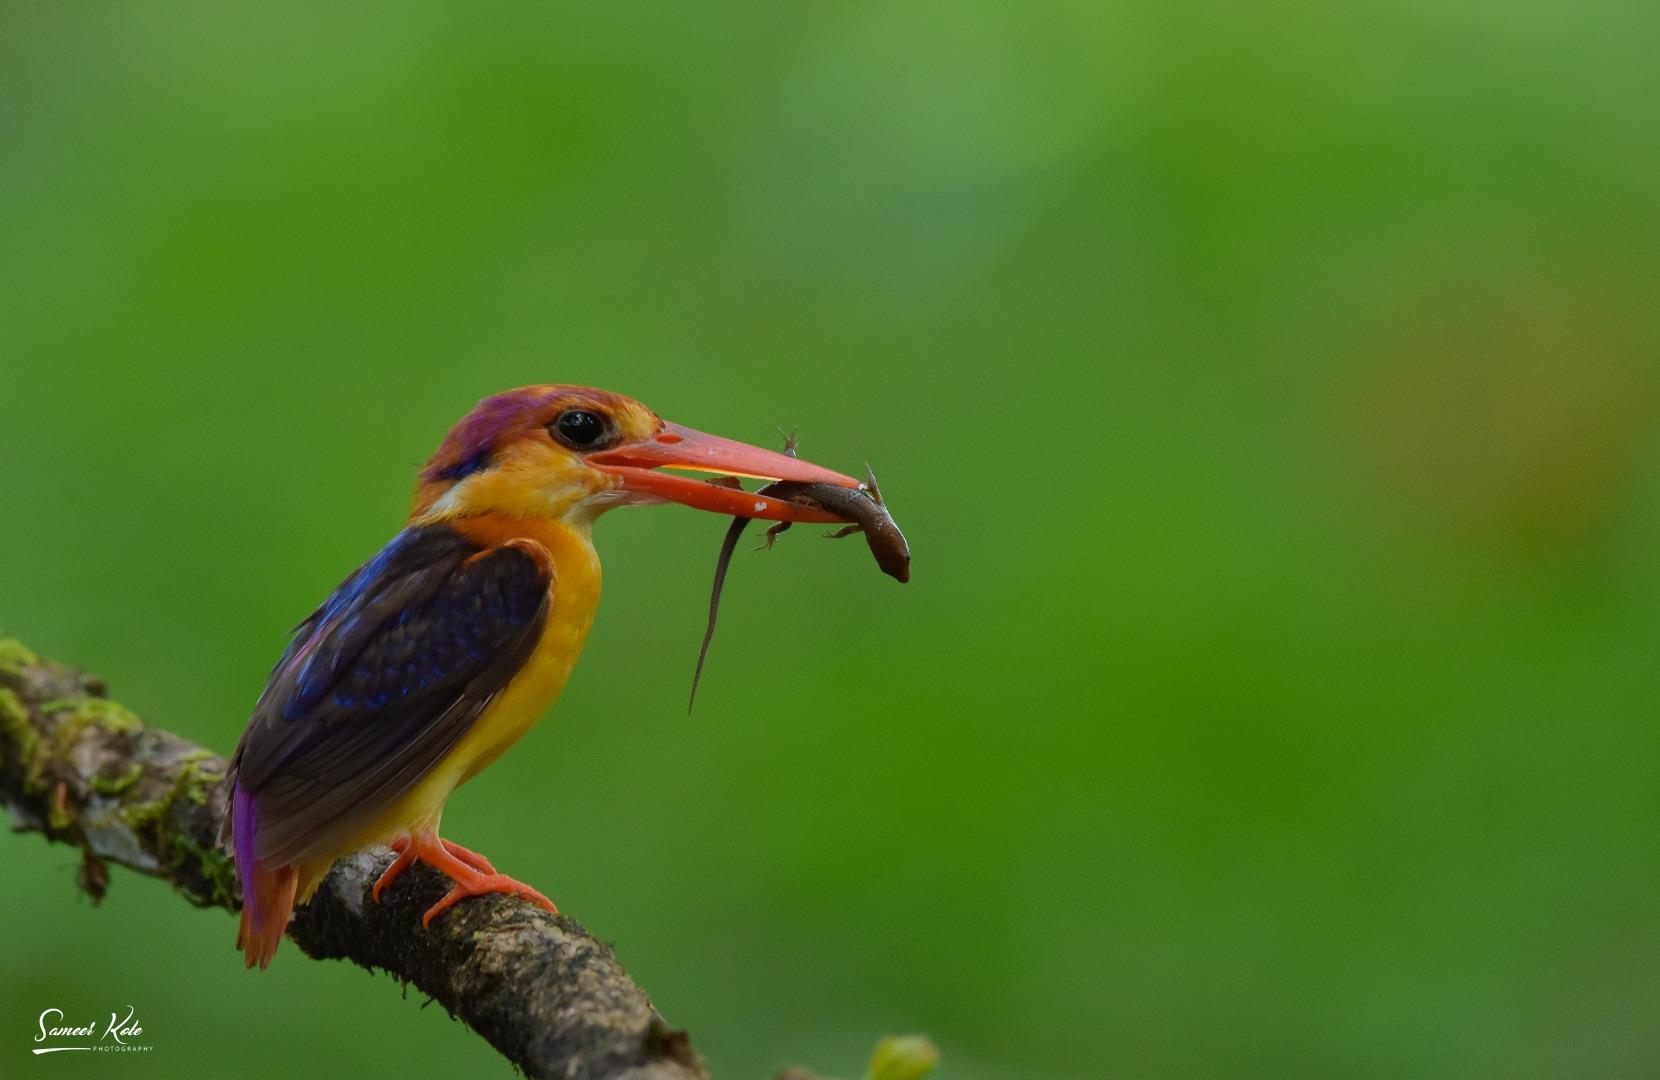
[442, 651]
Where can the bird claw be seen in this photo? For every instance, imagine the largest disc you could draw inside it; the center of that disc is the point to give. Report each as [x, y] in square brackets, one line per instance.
[470, 872]
[406, 855]
[484, 885]
[405, 859]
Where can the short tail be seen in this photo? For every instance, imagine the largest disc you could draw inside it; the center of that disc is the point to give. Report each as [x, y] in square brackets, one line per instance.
[268, 893]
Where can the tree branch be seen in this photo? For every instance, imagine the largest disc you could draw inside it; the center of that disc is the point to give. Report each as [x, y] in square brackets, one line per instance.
[545, 993]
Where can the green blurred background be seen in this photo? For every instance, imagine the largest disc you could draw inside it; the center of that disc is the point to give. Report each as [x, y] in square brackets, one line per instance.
[1269, 393]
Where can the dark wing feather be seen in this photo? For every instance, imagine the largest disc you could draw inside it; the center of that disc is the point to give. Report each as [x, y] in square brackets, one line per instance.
[380, 682]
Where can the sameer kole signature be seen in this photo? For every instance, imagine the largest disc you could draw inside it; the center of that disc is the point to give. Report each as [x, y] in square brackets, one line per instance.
[120, 1035]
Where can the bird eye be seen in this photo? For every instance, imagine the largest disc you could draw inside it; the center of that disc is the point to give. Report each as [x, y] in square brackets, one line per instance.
[580, 429]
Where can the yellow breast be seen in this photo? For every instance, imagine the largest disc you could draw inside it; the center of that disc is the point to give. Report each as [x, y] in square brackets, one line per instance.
[573, 599]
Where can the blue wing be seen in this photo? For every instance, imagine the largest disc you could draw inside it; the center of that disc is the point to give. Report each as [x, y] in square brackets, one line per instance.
[380, 682]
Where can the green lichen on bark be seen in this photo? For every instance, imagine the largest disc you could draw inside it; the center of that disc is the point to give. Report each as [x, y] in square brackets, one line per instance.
[116, 784]
[19, 740]
[74, 715]
[193, 782]
[218, 885]
[15, 657]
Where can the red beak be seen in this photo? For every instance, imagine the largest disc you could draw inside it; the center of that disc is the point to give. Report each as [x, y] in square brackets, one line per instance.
[682, 448]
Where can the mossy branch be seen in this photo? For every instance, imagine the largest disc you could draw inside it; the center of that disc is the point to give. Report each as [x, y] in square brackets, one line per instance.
[84, 771]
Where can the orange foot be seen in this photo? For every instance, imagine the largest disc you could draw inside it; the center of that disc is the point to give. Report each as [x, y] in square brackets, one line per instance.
[472, 873]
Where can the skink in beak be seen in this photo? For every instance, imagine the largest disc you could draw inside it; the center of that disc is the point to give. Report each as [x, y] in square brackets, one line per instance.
[634, 465]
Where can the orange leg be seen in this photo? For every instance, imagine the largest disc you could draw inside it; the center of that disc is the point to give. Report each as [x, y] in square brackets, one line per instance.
[471, 858]
[406, 859]
[472, 873]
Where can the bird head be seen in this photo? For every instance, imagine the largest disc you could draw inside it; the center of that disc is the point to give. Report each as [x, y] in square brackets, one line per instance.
[569, 453]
